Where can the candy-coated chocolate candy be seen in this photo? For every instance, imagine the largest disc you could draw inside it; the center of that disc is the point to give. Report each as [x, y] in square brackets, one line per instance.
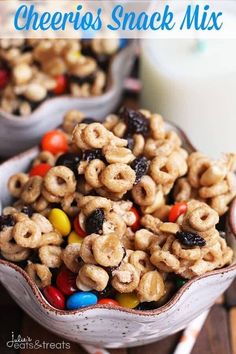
[177, 210]
[179, 282]
[78, 228]
[54, 296]
[136, 225]
[129, 301]
[40, 170]
[66, 281]
[60, 221]
[107, 301]
[55, 142]
[61, 85]
[81, 299]
[74, 238]
[3, 78]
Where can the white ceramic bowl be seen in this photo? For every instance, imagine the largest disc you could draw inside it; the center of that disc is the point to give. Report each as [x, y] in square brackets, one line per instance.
[114, 327]
[20, 133]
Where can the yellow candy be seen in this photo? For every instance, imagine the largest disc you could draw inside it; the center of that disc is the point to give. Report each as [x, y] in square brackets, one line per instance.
[60, 221]
[74, 238]
[129, 301]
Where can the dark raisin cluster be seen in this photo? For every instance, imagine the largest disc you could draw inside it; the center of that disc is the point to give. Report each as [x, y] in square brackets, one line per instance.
[6, 221]
[94, 221]
[190, 239]
[70, 160]
[135, 121]
[140, 166]
[89, 155]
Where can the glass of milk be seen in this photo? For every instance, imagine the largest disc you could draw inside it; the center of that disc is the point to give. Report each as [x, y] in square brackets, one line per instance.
[193, 87]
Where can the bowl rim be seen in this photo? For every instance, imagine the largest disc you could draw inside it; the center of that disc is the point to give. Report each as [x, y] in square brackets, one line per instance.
[231, 223]
[147, 313]
[91, 100]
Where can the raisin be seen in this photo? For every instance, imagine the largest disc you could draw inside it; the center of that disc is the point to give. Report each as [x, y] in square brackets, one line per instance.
[90, 155]
[145, 306]
[94, 222]
[88, 120]
[70, 160]
[28, 210]
[130, 141]
[140, 166]
[190, 239]
[107, 292]
[135, 121]
[6, 221]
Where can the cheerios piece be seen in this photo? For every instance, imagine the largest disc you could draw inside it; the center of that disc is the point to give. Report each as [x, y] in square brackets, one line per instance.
[143, 239]
[71, 257]
[40, 274]
[151, 286]
[60, 181]
[27, 234]
[114, 154]
[108, 250]
[118, 177]
[71, 119]
[93, 276]
[86, 251]
[50, 256]
[125, 279]
[16, 184]
[42, 222]
[97, 203]
[140, 260]
[203, 218]
[95, 135]
[144, 192]
[32, 189]
[93, 171]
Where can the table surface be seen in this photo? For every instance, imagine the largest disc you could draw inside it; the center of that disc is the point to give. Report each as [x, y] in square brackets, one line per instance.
[218, 335]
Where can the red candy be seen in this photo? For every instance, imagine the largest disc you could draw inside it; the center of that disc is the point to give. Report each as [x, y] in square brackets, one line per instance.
[61, 85]
[136, 225]
[66, 281]
[107, 301]
[177, 210]
[78, 228]
[55, 297]
[54, 141]
[40, 170]
[3, 78]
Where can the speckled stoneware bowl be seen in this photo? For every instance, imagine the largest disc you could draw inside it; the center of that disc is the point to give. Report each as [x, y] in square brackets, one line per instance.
[20, 133]
[114, 327]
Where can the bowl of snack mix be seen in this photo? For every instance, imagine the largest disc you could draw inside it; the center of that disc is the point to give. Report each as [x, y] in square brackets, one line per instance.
[117, 233]
[40, 80]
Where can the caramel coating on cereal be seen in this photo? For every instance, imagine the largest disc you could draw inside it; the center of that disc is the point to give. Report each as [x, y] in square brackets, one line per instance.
[71, 257]
[93, 276]
[16, 184]
[27, 234]
[50, 255]
[125, 279]
[151, 286]
[60, 181]
[108, 250]
[39, 273]
[118, 177]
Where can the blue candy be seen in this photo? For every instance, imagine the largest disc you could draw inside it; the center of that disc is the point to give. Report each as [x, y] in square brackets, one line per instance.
[81, 299]
[123, 43]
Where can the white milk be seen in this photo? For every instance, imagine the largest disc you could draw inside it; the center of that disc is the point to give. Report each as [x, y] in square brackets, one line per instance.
[196, 89]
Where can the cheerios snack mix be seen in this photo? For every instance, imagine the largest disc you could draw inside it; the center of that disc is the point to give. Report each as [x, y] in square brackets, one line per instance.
[33, 70]
[119, 211]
